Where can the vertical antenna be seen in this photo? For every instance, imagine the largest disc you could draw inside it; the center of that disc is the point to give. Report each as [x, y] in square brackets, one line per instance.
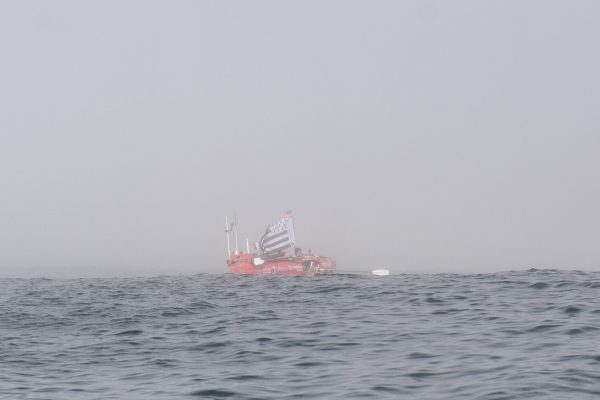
[247, 246]
[235, 232]
[227, 229]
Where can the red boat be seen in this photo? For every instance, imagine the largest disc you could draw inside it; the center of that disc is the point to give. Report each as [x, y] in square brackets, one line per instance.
[276, 253]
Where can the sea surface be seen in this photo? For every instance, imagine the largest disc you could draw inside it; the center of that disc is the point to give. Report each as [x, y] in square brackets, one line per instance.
[516, 335]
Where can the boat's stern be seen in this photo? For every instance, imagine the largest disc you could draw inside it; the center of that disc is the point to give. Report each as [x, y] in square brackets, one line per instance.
[326, 265]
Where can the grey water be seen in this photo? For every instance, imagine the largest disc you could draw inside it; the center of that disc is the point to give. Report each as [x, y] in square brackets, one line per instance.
[531, 334]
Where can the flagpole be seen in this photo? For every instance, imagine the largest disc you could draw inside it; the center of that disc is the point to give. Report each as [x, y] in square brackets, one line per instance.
[292, 236]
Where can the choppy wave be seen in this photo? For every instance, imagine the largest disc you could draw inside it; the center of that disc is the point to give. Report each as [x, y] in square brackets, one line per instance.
[531, 334]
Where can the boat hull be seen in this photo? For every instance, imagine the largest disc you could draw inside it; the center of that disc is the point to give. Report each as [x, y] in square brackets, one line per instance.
[247, 264]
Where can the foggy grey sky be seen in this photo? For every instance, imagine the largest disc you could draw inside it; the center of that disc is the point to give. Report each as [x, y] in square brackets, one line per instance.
[421, 136]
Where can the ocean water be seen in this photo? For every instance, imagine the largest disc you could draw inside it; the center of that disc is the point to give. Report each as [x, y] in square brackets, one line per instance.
[515, 335]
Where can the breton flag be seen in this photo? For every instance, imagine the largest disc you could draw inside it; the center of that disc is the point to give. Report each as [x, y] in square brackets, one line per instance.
[279, 235]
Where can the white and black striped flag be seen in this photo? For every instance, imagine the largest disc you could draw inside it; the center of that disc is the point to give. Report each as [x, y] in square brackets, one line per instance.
[279, 235]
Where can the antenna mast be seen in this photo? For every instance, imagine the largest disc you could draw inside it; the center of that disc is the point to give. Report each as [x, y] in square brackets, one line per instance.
[235, 232]
[227, 234]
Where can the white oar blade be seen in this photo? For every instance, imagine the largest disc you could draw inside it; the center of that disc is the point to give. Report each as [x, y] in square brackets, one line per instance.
[381, 272]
